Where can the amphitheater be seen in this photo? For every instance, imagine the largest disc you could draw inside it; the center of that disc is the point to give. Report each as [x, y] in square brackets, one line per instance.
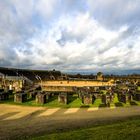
[36, 102]
[41, 85]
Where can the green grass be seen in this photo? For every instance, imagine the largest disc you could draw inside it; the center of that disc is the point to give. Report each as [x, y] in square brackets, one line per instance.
[74, 102]
[122, 130]
[139, 88]
[103, 91]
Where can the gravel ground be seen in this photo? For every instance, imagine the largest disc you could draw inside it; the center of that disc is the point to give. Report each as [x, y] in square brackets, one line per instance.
[19, 121]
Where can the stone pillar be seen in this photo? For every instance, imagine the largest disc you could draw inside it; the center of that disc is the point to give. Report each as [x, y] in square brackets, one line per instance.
[63, 98]
[41, 98]
[48, 95]
[104, 99]
[20, 97]
[33, 94]
[80, 95]
[107, 99]
[87, 99]
[129, 98]
[124, 97]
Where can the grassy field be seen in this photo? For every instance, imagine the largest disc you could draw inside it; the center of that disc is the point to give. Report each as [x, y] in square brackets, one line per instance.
[74, 102]
[125, 130]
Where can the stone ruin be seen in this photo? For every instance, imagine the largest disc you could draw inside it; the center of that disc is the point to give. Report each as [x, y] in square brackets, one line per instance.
[135, 93]
[78, 91]
[48, 95]
[80, 95]
[107, 99]
[20, 97]
[124, 97]
[41, 98]
[97, 94]
[4, 95]
[63, 98]
[88, 94]
[88, 99]
[32, 94]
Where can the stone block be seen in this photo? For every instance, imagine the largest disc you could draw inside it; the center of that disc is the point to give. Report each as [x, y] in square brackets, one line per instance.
[20, 97]
[107, 99]
[124, 97]
[88, 99]
[33, 94]
[41, 98]
[63, 98]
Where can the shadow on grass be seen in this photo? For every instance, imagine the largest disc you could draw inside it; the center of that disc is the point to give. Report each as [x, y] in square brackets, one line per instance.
[10, 100]
[102, 105]
[133, 103]
[36, 113]
[52, 98]
[71, 98]
[30, 99]
[118, 104]
[84, 106]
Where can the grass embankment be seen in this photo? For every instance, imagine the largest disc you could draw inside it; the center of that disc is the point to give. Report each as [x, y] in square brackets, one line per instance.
[74, 102]
[122, 130]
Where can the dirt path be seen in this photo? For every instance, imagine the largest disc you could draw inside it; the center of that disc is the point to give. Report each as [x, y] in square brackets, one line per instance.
[19, 121]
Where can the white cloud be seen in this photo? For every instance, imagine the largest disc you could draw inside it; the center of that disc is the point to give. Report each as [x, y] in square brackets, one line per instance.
[46, 7]
[112, 13]
[23, 9]
[93, 51]
[72, 40]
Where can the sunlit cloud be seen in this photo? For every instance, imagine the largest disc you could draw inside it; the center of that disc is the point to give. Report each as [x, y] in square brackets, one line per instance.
[70, 35]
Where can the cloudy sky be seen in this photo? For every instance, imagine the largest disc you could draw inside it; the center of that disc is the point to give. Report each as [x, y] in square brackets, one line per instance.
[70, 35]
